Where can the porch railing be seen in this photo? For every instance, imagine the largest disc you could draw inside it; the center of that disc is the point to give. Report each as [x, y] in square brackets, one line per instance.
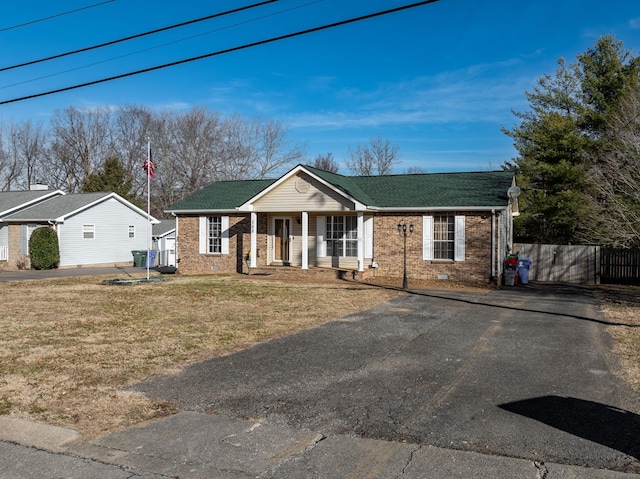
[4, 253]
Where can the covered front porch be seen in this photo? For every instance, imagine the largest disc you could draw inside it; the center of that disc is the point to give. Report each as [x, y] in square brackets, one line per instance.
[307, 240]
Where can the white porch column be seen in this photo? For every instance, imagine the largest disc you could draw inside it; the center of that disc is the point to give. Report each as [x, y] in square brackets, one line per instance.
[305, 240]
[254, 239]
[360, 241]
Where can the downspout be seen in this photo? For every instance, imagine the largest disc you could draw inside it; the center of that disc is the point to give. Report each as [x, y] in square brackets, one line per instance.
[177, 258]
[493, 244]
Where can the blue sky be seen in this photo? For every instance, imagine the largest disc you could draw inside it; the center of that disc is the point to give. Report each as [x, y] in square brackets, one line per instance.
[438, 80]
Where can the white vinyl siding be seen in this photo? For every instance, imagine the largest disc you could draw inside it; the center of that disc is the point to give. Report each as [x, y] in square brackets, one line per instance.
[214, 235]
[443, 237]
[306, 193]
[110, 245]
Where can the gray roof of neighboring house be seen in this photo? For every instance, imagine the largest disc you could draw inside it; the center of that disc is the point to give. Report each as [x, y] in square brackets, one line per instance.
[164, 227]
[61, 207]
[13, 201]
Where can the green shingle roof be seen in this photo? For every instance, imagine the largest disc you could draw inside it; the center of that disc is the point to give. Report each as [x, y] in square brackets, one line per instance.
[222, 195]
[429, 190]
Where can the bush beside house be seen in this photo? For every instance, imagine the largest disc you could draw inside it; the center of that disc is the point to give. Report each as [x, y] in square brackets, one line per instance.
[44, 250]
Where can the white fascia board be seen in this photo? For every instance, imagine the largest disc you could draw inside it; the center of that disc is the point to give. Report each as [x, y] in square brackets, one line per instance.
[37, 200]
[248, 205]
[103, 199]
[202, 212]
[441, 208]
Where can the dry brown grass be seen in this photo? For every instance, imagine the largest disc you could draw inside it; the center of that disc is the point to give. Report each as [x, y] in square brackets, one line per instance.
[68, 346]
[621, 306]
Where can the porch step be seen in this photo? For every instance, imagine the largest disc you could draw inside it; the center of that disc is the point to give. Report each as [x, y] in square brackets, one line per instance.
[292, 272]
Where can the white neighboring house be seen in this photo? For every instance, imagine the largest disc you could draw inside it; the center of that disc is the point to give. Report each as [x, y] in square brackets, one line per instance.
[94, 229]
[164, 241]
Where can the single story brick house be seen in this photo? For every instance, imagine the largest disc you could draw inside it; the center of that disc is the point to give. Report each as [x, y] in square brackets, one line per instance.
[458, 225]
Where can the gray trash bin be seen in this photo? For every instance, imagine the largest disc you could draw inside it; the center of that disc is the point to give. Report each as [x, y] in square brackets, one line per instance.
[510, 277]
[524, 265]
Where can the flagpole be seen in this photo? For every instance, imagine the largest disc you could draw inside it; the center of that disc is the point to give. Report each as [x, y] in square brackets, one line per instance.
[148, 207]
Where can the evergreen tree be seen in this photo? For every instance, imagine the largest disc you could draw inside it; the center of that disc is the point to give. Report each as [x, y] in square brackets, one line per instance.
[112, 178]
[560, 140]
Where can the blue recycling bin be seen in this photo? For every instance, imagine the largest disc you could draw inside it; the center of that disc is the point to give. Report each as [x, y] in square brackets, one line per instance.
[151, 258]
[524, 265]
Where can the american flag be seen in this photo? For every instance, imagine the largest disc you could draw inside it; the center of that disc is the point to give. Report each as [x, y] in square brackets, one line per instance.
[149, 166]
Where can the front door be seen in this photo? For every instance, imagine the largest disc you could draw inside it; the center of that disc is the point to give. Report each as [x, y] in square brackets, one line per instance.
[282, 240]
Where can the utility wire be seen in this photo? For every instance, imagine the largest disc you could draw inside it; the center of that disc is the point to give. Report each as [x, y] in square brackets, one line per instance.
[151, 32]
[221, 52]
[159, 46]
[54, 16]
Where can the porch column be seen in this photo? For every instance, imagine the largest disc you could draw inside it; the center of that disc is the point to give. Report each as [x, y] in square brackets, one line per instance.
[254, 239]
[360, 241]
[305, 240]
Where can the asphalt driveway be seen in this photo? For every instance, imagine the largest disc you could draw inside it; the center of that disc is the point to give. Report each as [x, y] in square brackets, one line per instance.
[519, 372]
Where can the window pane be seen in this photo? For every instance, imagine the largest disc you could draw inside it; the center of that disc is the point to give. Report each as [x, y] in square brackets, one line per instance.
[342, 233]
[88, 231]
[443, 237]
[215, 234]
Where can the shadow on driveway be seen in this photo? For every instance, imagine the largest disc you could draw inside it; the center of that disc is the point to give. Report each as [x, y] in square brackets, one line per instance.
[606, 425]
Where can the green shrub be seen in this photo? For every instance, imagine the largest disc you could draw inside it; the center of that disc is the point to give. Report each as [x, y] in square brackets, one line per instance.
[43, 248]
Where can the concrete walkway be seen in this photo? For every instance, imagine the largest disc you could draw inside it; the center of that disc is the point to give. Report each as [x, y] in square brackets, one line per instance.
[209, 446]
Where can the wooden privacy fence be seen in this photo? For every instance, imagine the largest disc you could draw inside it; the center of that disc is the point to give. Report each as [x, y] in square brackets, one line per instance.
[620, 266]
[581, 264]
[561, 263]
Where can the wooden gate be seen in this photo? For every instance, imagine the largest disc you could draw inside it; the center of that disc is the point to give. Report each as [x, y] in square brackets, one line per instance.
[620, 266]
[562, 263]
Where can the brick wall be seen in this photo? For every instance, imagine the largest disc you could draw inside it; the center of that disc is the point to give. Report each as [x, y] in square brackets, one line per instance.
[192, 262]
[388, 250]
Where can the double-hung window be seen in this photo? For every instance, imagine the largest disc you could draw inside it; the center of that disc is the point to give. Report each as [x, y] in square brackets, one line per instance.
[132, 231]
[443, 237]
[214, 234]
[88, 231]
[342, 236]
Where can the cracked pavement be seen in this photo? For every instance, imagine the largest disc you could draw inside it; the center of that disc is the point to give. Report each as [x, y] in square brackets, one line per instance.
[513, 384]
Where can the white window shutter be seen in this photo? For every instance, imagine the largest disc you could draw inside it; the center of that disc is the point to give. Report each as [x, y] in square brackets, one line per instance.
[427, 238]
[202, 242]
[225, 235]
[321, 232]
[459, 239]
[368, 237]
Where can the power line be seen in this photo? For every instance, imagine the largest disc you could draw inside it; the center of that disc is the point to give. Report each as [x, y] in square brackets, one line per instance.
[222, 52]
[54, 16]
[139, 35]
[23, 82]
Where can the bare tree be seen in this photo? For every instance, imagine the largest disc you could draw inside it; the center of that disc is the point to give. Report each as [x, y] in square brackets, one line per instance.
[80, 141]
[415, 170]
[10, 167]
[326, 163]
[378, 157]
[616, 176]
[132, 127]
[28, 146]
